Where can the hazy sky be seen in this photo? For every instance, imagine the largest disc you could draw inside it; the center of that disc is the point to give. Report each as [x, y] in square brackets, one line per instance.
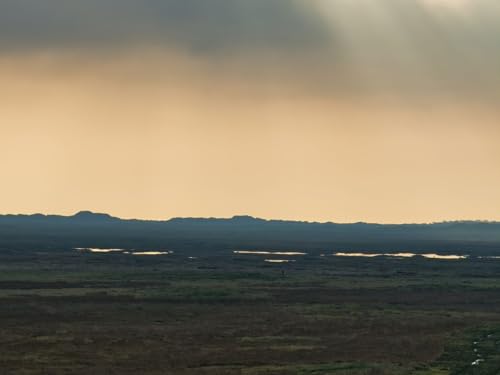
[341, 110]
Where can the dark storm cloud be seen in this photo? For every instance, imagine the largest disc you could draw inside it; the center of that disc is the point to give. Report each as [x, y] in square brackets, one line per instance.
[402, 47]
[201, 25]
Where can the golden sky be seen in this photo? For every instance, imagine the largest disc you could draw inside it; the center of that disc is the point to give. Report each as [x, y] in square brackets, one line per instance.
[326, 110]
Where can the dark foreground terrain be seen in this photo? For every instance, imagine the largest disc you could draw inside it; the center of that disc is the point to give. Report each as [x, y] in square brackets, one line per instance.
[77, 312]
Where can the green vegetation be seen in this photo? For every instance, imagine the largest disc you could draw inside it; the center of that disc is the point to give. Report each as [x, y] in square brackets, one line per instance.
[83, 313]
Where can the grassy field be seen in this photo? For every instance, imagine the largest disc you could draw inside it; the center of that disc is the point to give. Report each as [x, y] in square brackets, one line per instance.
[80, 313]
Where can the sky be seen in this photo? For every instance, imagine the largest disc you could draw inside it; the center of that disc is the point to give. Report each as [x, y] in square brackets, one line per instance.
[321, 110]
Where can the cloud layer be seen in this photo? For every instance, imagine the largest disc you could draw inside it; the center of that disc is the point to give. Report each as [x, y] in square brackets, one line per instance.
[204, 26]
[412, 48]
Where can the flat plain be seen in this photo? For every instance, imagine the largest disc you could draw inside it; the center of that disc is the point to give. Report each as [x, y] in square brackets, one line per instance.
[74, 312]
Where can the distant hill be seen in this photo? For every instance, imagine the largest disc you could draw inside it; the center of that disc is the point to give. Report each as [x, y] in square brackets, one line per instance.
[88, 229]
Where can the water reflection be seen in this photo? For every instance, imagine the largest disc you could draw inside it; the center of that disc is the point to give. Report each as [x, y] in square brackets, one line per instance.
[123, 251]
[150, 253]
[363, 255]
[445, 257]
[138, 252]
[289, 253]
[402, 255]
[98, 250]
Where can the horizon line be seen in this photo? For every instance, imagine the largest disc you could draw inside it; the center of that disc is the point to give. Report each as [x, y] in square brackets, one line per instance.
[240, 216]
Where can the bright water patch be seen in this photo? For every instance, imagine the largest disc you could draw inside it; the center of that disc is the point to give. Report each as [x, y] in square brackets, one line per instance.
[151, 253]
[362, 255]
[124, 251]
[402, 255]
[445, 257]
[250, 252]
[98, 250]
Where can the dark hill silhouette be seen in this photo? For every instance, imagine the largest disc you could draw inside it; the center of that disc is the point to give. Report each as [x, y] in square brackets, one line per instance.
[88, 229]
[92, 216]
